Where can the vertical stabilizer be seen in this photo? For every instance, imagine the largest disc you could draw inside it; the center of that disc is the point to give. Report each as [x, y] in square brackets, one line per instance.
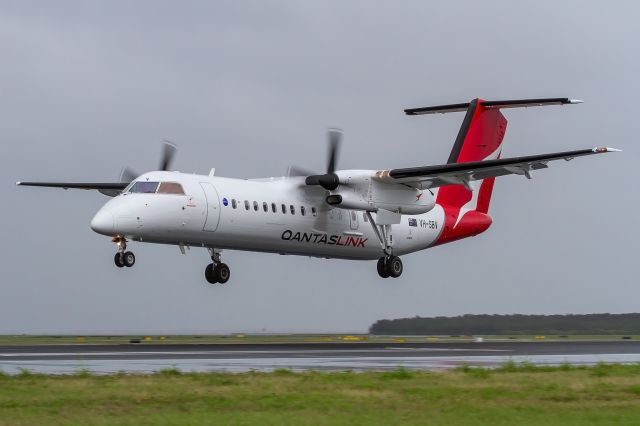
[466, 205]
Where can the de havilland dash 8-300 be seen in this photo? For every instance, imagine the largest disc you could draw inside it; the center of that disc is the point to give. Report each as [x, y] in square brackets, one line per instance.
[343, 214]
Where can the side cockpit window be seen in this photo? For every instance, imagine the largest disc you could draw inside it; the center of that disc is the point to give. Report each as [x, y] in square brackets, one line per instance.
[144, 187]
[170, 188]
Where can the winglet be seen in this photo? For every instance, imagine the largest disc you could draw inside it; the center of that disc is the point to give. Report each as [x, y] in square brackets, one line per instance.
[18, 183]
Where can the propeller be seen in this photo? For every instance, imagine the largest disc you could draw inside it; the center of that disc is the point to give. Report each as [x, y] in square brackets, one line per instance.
[329, 180]
[298, 171]
[168, 152]
[127, 175]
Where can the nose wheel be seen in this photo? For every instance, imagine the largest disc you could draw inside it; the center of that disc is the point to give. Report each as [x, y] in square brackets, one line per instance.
[123, 258]
[127, 259]
[217, 272]
[389, 266]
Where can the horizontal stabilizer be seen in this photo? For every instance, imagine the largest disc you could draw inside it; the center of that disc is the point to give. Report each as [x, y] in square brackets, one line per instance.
[513, 103]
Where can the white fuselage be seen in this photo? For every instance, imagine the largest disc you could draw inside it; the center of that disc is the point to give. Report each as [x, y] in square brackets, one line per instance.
[213, 214]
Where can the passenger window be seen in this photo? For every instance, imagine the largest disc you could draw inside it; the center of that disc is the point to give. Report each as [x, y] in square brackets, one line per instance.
[170, 188]
[273, 207]
[246, 205]
[293, 209]
[265, 207]
[302, 211]
[284, 209]
[365, 217]
[313, 211]
[255, 205]
[233, 203]
[144, 187]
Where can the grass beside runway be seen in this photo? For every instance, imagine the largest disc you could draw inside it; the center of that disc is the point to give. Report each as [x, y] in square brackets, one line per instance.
[514, 394]
[6, 340]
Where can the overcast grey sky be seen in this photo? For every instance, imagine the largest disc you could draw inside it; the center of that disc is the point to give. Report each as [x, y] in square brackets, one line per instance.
[87, 87]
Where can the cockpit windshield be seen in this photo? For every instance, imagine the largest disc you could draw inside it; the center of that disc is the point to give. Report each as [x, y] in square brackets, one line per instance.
[146, 187]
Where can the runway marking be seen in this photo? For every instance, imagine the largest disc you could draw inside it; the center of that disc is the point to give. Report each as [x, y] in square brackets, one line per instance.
[400, 348]
[310, 351]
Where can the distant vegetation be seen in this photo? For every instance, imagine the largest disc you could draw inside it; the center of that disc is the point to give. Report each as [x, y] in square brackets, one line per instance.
[512, 324]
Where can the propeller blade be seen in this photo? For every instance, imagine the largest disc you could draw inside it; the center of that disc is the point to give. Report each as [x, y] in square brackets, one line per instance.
[335, 137]
[128, 175]
[168, 152]
[329, 180]
[298, 171]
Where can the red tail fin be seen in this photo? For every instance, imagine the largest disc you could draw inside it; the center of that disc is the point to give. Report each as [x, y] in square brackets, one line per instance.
[480, 138]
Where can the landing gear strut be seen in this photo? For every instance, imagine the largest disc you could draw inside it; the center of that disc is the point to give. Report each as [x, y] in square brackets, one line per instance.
[123, 257]
[217, 272]
[389, 266]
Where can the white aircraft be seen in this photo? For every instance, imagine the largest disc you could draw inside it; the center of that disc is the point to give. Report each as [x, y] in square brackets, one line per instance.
[344, 214]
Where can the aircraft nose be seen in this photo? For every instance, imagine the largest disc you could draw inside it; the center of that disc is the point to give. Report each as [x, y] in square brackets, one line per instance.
[102, 222]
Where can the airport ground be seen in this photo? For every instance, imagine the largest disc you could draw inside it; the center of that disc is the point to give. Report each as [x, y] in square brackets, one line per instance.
[521, 394]
[242, 353]
[243, 338]
[320, 379]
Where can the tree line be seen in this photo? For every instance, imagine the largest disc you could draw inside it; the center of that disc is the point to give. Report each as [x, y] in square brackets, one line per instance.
[511, 324]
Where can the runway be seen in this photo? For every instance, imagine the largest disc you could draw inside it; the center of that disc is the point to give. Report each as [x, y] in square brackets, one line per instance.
[134, 358]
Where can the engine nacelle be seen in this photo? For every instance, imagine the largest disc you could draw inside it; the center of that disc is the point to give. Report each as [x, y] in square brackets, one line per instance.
[358, 191]
[402, 199]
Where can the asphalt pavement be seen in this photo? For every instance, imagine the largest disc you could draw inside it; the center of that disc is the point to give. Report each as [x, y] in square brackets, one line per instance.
[144, 357]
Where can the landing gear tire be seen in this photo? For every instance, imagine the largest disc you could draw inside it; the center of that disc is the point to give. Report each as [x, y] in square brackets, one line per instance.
[217, 272]
[128, 259]
[123, 257]
[389, 267]
[210, 275]
[118, 259]
[394, 266]
[222, 272]
[382, 268]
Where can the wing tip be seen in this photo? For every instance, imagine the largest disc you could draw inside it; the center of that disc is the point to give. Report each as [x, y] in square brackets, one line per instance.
[603, 149]
[18, 183]
[576, 101]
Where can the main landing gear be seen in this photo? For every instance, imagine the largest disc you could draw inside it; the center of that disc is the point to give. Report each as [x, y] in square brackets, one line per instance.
[389, 266]
[123, 257]
[217, 272]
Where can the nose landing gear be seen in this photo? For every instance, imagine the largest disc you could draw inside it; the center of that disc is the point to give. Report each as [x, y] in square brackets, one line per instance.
[389, 266]
[217, 272]
[122, 257]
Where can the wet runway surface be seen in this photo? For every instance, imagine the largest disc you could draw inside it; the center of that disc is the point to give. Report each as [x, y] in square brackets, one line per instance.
[59, 359]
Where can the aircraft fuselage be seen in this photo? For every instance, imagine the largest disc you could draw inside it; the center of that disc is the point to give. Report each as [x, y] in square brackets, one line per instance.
[278, 215]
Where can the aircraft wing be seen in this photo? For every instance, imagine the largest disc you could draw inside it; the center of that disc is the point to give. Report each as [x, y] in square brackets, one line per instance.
[462, 173]
[107, 188]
